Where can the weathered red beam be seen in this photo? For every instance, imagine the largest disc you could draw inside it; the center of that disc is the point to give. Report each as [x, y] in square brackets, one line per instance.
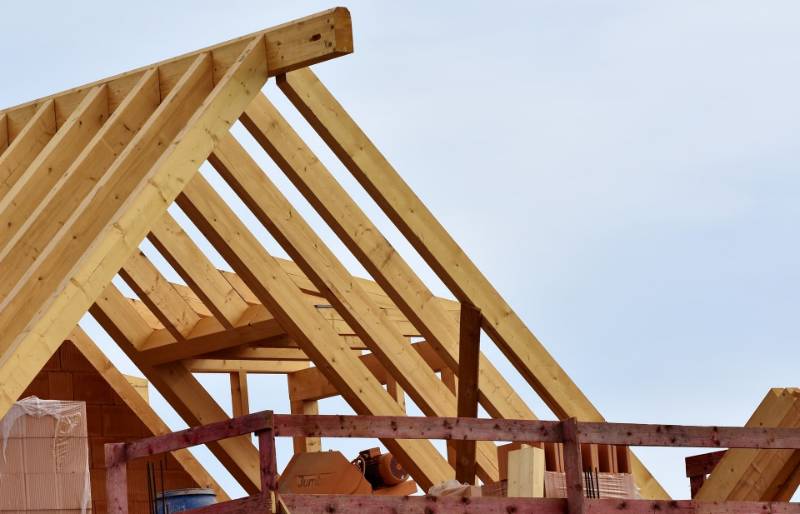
[688, 507]
[199, 435]
[689, 436]
[324, 504]
[623, 434]
[240, 506]
[703, 464]
[409, 427]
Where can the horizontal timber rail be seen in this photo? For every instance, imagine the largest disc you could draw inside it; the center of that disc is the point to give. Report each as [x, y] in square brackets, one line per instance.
[570, 432]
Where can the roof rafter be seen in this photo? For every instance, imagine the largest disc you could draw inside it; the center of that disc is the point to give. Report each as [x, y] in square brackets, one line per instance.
[276, 291]
[26, 190]
[72, 279]
[334, 281]
[190, 400]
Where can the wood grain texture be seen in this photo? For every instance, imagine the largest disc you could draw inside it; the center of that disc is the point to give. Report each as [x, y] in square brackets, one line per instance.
[444, 255]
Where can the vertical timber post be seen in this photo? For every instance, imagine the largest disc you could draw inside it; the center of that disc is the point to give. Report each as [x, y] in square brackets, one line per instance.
[576, 496]
[469, 350]
[268, 465]
[116, 478]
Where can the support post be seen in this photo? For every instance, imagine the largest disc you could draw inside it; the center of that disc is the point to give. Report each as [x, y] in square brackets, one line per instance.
[268, 461]
[116, 478]
[576, 497]
[240, 398]
[469, 350]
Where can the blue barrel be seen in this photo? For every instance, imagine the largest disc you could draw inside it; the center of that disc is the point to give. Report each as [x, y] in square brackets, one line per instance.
[184, 499]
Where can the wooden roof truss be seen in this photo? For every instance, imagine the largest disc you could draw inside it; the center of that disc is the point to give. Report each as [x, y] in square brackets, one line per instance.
[86, 175]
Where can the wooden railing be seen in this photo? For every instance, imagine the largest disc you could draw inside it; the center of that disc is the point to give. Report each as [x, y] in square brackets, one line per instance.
[569, 432]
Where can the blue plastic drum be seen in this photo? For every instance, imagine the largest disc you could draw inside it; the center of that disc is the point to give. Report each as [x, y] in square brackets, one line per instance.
[184, 499]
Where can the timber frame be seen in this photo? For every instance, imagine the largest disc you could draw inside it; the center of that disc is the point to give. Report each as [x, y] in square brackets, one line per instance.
[572, 433]
[86, 175]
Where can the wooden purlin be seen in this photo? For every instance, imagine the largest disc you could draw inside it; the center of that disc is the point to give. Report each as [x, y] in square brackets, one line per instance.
[92, 249]
[374, 251]
[189, 399]
[295, 44]
[302, 322]
[443, 254]
[333, 280]
[206, 365]
[311, 384]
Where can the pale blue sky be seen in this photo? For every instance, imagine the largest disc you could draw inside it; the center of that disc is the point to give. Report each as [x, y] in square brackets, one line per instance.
[624, 172]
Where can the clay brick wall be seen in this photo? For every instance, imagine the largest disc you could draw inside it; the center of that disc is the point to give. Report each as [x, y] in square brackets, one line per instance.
[69, 376]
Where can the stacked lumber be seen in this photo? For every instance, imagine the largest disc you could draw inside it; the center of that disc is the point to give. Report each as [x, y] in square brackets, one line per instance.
[537, 470]
[602, 458]
[760, 475]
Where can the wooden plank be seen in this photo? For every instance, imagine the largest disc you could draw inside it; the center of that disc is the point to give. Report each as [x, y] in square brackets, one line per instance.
[703, 464]
[159, 295]
[291, 45]
[374, 252]
[138, 404]
[240, 366]
[320, 504]
[573, 467]
[302, 322]
[444, 256]
[77, 282]
[3, 134]
[469, 349]
[197, 270]
[268, 460]
[750, 475]
[195, 436]
[312, 384]
[24, 148]
[181, 390]
[240, 397]
[258, 353]
[333, 280]
[65, 198]
[116, 478]
[418, 427]
[208, 335]
[526, 473]
[21, 193]
[301, 443]
[53, 264]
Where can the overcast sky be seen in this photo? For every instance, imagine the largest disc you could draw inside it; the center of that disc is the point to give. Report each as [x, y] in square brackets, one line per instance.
[624, 172]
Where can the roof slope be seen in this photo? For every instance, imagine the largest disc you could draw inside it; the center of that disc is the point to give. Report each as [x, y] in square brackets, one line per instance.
[89, 173]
